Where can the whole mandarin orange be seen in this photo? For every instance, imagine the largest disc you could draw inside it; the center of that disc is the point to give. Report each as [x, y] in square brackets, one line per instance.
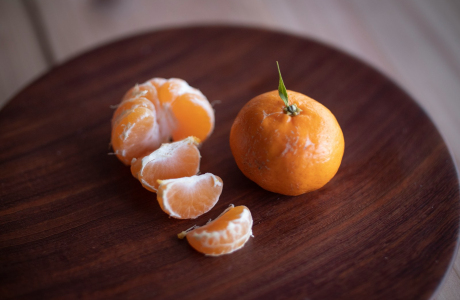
[287, 142]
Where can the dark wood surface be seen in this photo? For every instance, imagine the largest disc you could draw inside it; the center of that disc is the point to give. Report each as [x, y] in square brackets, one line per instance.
[74, 223]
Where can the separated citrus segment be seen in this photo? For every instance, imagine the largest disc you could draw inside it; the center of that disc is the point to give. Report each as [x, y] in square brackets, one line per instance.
[171, 160]
[189, 197]
[226, 234]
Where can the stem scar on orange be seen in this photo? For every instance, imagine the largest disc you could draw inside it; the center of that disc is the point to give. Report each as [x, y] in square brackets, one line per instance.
[290, 146]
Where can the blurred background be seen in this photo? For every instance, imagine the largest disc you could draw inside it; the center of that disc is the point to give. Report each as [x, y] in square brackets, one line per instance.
[414, 42]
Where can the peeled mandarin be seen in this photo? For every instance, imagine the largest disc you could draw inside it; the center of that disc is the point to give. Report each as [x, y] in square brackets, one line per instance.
[155, 112]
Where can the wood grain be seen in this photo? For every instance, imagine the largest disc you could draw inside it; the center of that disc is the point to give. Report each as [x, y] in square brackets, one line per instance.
[75, 224]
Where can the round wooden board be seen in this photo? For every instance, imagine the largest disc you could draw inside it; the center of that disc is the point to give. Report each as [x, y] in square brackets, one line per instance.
[76, 224]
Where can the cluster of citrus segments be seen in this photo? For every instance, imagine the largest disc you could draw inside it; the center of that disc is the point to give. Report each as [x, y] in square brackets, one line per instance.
[157, 112]
[157, 129]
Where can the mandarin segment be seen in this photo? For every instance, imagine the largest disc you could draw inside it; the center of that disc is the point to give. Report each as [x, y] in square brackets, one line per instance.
[134, 134]
[149, 91]
[157, 82]
[129, 105]
[194, 115]
[170, 89]
[142, 89]
[226, 234]
[191, 109]
[171, 160]
[189, 197]
[145, 90]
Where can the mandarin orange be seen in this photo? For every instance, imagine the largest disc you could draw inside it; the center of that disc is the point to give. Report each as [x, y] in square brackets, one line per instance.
[155, 112]
[287, 142]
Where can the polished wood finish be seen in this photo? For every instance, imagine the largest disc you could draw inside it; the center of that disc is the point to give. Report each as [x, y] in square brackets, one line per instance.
[75, 224]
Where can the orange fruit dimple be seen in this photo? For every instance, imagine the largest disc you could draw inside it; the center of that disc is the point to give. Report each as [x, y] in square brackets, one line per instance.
[226, 234]
[189, 197]
[171, 160]
[286, 154]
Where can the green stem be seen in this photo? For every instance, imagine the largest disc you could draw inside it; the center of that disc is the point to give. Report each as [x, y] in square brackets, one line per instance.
[282, 88]
[291, 110]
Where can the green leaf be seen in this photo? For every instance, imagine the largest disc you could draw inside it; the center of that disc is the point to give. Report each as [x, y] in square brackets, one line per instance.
[282, 89]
